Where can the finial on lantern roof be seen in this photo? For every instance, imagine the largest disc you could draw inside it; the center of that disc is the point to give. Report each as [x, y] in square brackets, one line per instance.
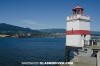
[78, 6]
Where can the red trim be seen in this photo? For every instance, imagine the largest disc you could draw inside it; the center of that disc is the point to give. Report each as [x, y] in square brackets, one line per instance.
[78, 32]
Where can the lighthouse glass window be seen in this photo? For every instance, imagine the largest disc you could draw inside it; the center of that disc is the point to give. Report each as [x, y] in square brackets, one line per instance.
[78, 12]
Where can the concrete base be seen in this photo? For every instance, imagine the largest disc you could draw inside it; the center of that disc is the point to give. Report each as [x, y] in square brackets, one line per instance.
[98, 58]
[69, 52]
[84, 61]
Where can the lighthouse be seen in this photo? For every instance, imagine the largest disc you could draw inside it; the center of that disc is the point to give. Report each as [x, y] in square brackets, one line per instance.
[78, 30]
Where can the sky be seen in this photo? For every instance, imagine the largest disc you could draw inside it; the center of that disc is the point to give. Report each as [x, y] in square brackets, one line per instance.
[44, 14]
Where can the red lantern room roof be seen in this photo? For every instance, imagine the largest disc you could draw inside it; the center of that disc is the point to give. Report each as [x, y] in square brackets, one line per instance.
[78, 6]
[77, 10]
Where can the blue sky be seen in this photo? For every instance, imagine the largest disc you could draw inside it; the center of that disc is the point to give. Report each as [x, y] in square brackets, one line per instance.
[43, 14]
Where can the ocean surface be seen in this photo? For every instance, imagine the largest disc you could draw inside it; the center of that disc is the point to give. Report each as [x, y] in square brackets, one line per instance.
[14, 51]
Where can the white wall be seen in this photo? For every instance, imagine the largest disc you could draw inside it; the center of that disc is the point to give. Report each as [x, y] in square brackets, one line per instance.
[76, 40]
[75, 23]
[73, 40]
[78, 25]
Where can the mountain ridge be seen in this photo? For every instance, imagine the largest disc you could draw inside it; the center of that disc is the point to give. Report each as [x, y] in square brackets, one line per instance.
[16, 29]
[12, 28]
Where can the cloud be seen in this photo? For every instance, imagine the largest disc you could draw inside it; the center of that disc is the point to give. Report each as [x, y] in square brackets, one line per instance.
[34, 24]
[29, 22]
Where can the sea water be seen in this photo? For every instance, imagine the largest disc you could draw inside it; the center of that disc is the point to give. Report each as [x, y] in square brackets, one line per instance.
[13, 51]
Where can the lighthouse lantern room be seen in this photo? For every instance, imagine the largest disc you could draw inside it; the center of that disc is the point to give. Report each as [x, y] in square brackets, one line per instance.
[78, 28]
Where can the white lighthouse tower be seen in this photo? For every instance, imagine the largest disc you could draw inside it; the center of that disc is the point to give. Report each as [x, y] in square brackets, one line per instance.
[78, 28]
[78, 31]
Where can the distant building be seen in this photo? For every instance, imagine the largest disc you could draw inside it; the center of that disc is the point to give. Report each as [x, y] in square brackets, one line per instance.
[4, 35]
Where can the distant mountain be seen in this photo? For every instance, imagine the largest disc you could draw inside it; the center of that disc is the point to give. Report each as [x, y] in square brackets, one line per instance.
[64, 31]
[7, 28]
[15, 29]
[53, 30]
[95, 32]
